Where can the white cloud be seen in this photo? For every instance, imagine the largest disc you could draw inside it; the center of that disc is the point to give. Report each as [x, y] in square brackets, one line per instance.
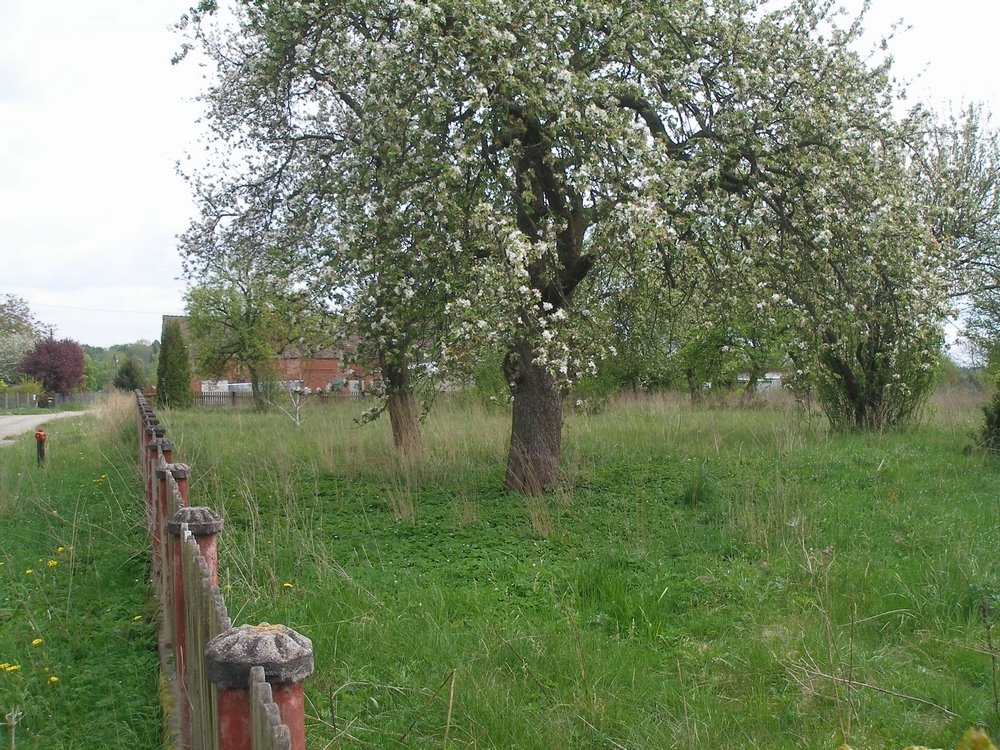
[94, 118]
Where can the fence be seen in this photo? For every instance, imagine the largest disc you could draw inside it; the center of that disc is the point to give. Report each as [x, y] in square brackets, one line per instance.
[245, 398]
[31, 400]
[223, 695]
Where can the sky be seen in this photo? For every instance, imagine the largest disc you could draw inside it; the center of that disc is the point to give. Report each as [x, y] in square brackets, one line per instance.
[94, 119]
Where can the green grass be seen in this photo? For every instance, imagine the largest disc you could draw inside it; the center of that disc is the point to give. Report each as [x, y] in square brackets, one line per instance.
[704, 578]
[77, 647]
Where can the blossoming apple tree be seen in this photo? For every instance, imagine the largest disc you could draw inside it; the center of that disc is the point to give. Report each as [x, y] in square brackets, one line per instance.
[478, 162]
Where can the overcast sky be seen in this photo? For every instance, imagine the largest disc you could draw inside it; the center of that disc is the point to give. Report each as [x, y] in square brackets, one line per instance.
[93, 118]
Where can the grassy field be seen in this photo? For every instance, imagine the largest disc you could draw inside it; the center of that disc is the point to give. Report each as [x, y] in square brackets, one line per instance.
[704, 578]
[77, 647]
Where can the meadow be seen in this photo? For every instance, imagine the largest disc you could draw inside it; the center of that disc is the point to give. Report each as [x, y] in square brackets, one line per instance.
[78, 664]
[704, 577]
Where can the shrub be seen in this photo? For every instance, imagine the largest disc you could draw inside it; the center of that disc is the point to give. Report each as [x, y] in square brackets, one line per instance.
[989, 435]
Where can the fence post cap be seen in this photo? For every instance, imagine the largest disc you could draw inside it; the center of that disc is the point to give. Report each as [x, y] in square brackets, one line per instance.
[201, 521]
[156, 431]
[161, 443]
[179, 471]
[286, 656]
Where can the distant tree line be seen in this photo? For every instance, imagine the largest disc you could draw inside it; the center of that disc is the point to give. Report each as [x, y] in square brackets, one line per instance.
[32, 360]
[651, 194]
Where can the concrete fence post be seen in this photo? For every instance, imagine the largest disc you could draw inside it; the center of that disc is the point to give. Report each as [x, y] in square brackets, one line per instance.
[161, 505]
[153, 433]
[181, 473]
[287, 659]
[204, 525]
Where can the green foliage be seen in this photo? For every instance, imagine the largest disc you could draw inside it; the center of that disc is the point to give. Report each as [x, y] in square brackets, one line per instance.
[536, 176]
[129, 376]
[173, 372]
[878, 380]
[75, 622]
[102, 364]
[702, 576]
[31, 387]
[989, 432]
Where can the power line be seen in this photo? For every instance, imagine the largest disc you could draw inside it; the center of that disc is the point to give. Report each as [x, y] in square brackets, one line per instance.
[99, 309]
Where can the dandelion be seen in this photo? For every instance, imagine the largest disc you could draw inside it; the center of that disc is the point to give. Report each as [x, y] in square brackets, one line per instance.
[51, 563]
[37, 642]
[60, 550]
[53, 679]
[29, 572]
[12, 668]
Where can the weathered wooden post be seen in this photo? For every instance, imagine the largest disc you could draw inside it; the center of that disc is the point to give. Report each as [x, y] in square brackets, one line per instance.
[153, 433]
[150, 465]
[204, 524]
[161, 505]
[286, 658]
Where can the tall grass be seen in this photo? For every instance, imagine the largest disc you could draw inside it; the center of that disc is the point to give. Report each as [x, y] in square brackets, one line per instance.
[74, 623]
[704, 577]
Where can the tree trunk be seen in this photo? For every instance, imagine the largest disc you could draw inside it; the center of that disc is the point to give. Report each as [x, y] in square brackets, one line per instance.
[536, 426]
[750, 391]
[694, 388]
[256, 388]
[402, 407]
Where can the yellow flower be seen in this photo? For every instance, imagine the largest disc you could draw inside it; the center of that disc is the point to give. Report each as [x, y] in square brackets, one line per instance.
[37, 642]
[51, 563]
[29, 572]
[137, 618]
[12, 667]
[60, 550]
[53, 680]
[286, 585]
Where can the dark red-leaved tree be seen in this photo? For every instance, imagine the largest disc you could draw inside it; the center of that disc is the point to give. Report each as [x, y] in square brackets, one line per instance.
[57, 365]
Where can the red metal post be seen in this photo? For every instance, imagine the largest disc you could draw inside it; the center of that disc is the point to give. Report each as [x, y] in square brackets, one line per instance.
[40, 445]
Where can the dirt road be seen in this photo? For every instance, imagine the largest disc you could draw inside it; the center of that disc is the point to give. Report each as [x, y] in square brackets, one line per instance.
[16, 424]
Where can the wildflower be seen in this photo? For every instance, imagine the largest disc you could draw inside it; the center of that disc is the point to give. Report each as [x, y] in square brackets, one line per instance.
[12, 668]
[137, 618]
[51, 563]
[37, 642]
[60, 550]
[29, 572]
[286, 585]
[53, 679]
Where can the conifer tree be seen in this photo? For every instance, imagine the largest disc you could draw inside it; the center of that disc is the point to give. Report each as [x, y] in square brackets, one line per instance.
[173, 373]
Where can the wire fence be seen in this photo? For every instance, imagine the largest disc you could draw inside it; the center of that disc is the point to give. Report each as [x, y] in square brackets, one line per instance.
[31, 400]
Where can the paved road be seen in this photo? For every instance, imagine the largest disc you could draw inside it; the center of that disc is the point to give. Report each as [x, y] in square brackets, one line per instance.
[15, 425]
